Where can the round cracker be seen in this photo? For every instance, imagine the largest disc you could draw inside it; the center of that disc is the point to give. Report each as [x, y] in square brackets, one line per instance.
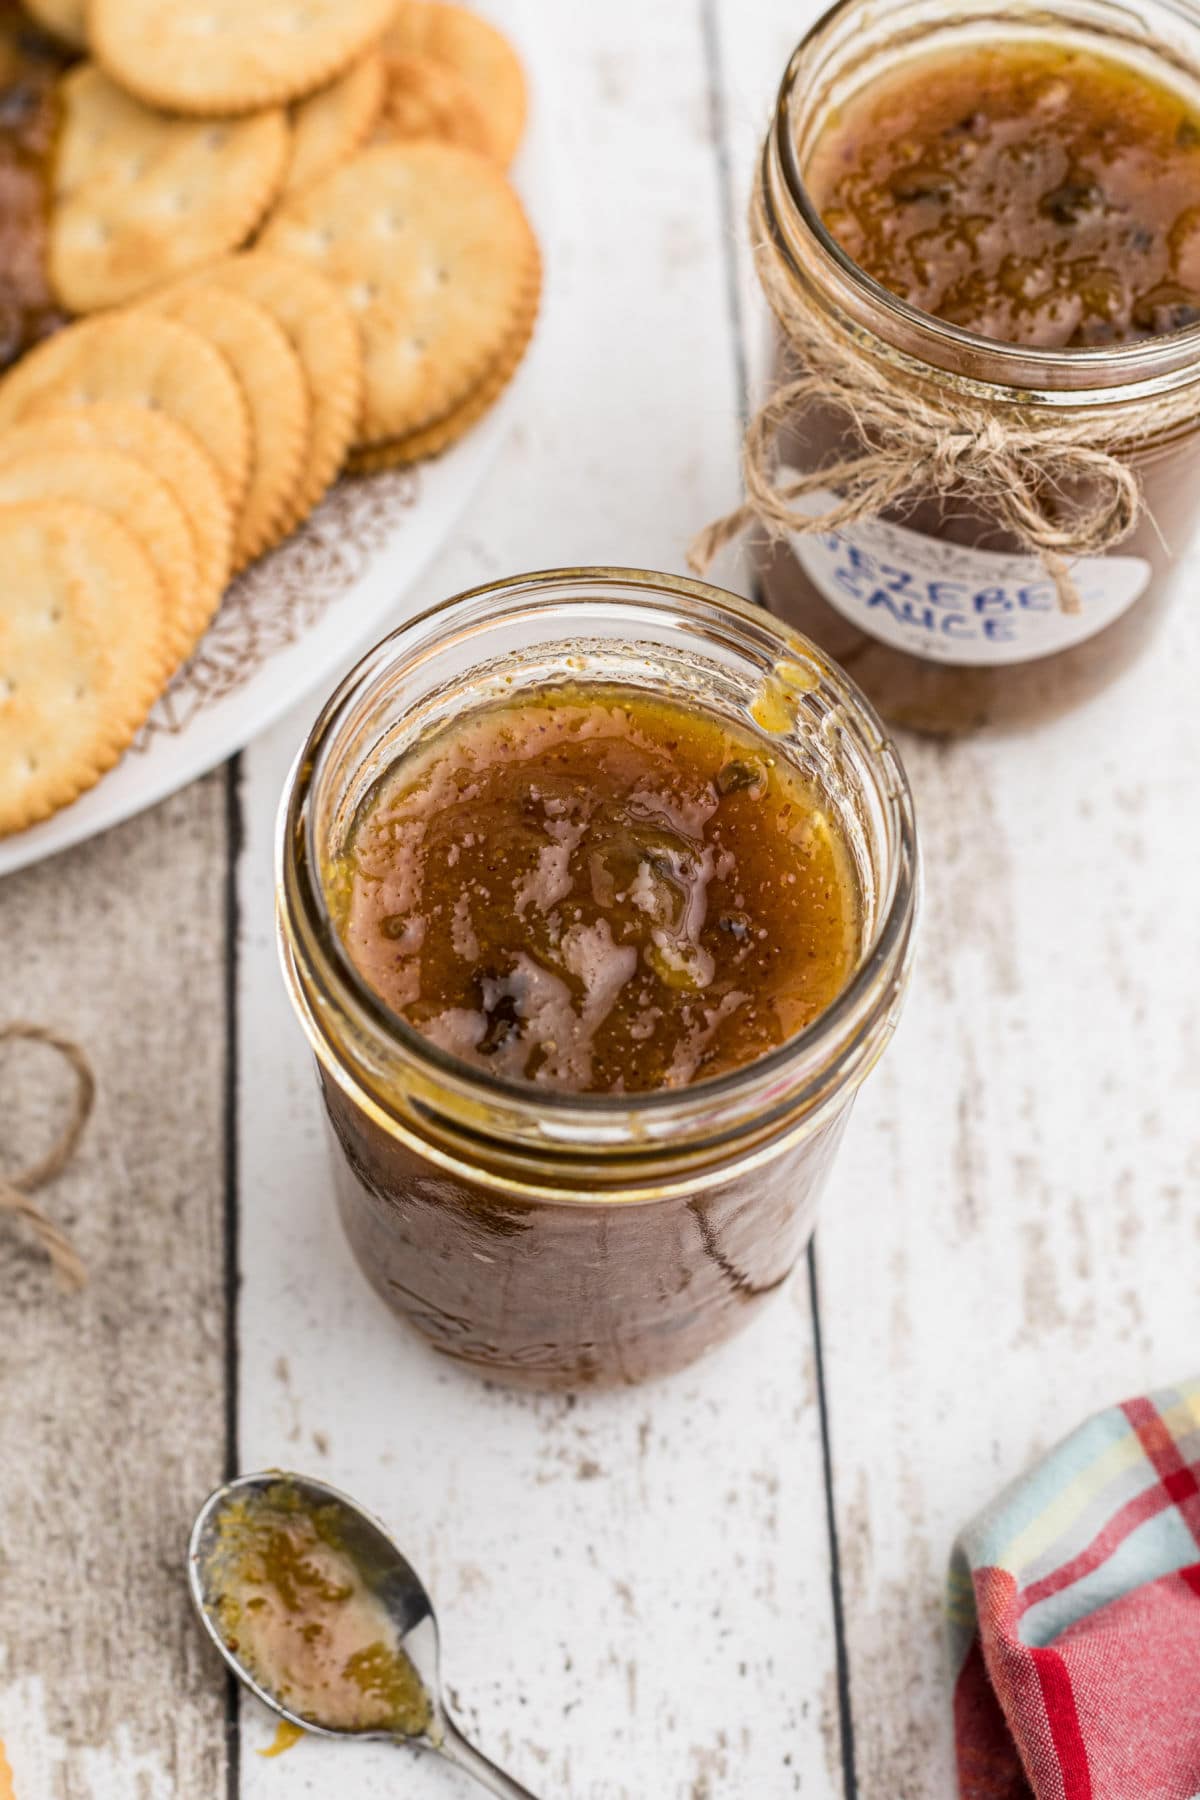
[322, 331]
[430, 246]
[226, 56]
[169, 452]
[139, 196]
[276, 393]
[476, 51]
[427, 99]
[150, 361]
[123, 488]
[67, 19]
[80, 653]
[443, 433]
[333, 123]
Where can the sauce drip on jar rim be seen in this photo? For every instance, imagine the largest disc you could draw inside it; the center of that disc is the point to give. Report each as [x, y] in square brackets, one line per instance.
[1030, 192]
[599, 890]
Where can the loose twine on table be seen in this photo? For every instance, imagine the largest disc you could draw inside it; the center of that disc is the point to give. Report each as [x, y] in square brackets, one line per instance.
[15, 1190]
[906, 446]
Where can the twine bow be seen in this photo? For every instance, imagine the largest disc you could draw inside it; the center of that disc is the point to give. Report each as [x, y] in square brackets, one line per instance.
[1048, 483]
[15, 1190]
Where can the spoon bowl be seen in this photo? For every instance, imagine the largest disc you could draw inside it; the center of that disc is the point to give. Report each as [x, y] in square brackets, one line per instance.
[393, 1581]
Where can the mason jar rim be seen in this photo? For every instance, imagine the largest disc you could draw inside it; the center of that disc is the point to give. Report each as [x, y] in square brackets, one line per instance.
[1083, 374]
[299, 884]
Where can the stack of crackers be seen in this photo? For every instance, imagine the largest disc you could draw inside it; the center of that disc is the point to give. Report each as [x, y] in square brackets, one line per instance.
[291, 247]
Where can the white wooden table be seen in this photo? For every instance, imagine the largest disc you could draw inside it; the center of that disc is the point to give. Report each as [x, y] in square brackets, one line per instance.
[728, 1584]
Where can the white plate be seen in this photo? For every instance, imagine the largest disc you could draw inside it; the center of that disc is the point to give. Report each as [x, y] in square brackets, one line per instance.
[289, 623]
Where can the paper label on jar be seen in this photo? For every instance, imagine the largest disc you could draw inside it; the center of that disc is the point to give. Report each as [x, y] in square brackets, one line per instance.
[951, 604]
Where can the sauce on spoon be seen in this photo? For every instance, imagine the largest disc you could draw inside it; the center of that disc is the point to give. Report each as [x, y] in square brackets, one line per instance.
[301, 1613]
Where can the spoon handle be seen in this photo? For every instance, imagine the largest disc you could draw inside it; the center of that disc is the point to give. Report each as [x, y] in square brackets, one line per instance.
[455, 1748]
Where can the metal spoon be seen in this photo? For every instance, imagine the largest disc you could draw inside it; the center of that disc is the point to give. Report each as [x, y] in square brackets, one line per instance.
[397, 1585]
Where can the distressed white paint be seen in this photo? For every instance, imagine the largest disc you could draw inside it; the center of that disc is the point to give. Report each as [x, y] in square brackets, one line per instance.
[1011, 1238]
[1012, 1235]
[635, 1588]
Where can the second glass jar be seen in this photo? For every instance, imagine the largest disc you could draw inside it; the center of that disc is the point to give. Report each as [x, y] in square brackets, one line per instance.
[944, 621]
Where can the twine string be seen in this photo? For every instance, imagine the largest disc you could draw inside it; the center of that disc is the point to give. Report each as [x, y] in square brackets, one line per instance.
[16, 1191]
[1050, 484]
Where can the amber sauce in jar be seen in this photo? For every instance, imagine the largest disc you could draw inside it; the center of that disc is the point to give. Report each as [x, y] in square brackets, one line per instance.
[600, 891]
[1033, 193]
[597, 893]
[30, 66]
[591, 889]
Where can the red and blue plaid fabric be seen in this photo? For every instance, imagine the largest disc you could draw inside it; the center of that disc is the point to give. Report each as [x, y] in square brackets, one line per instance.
[1075, 1617]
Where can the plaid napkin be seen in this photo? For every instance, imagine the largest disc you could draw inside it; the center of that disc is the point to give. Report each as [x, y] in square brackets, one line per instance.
[1075, 1615]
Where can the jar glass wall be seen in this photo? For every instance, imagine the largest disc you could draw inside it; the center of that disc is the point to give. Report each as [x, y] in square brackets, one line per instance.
[559, 1238]
[943, 619]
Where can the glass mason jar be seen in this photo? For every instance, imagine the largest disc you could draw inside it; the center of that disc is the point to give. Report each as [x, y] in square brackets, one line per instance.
[560, 1239]
[937, 613]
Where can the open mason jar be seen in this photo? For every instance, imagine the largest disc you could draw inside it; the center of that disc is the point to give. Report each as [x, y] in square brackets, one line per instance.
[941, 615]
[560, 1239]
